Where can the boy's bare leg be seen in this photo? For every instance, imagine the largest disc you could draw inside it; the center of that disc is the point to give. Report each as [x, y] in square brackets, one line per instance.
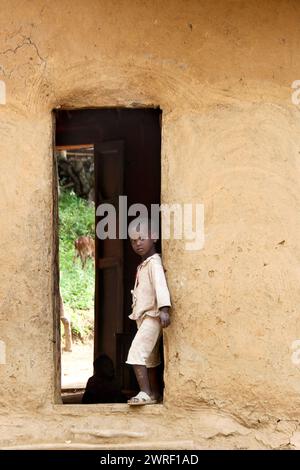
[142, 378]
[154, 382]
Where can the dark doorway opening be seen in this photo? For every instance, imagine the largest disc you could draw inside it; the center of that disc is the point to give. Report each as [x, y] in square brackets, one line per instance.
[127, 161]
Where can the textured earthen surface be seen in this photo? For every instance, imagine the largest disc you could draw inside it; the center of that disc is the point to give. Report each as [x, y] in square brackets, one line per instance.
[221, 71]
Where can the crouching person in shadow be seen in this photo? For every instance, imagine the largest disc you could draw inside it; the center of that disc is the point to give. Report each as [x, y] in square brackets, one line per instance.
[103, 386]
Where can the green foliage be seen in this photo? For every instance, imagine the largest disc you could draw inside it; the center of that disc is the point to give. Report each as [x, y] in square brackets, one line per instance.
[82, 324]
[76, 218]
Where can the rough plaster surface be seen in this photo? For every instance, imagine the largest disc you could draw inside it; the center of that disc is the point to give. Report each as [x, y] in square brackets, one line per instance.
[222, 73]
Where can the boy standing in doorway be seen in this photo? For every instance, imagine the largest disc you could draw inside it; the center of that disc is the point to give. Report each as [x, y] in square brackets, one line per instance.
[150, 308]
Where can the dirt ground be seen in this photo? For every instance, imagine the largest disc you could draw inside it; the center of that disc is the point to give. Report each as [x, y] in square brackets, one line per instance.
[77, 366]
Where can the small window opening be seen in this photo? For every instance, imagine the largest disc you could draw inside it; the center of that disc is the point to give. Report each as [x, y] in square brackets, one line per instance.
[101, 154]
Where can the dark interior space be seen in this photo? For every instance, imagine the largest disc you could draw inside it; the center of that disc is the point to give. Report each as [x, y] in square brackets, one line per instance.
[127, 147]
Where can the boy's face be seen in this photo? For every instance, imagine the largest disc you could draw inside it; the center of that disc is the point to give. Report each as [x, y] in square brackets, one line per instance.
[142, 245]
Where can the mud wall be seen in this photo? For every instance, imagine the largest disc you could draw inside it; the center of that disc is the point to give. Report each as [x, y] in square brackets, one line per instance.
[222, 72]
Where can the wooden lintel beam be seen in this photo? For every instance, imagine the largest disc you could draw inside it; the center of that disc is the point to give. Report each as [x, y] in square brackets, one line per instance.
[73, 147]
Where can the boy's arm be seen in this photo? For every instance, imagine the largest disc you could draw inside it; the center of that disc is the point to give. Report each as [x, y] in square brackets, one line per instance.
[161, 292]
[164, 316]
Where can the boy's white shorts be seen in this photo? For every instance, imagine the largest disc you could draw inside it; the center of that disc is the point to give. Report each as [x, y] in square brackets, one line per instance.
[144, 350]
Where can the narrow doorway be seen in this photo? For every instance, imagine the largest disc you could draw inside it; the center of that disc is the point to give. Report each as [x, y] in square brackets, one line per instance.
[126, 147]
[76, 228]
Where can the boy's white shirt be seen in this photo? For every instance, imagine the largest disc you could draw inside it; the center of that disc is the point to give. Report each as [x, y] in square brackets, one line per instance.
[150, 291]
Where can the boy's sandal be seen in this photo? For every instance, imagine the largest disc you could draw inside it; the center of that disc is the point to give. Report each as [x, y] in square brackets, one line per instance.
[142, 398]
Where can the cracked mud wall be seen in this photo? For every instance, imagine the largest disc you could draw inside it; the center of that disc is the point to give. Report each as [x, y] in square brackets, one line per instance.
[222, 72]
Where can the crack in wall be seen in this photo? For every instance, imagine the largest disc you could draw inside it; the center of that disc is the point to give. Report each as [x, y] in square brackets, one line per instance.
[27, 41]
